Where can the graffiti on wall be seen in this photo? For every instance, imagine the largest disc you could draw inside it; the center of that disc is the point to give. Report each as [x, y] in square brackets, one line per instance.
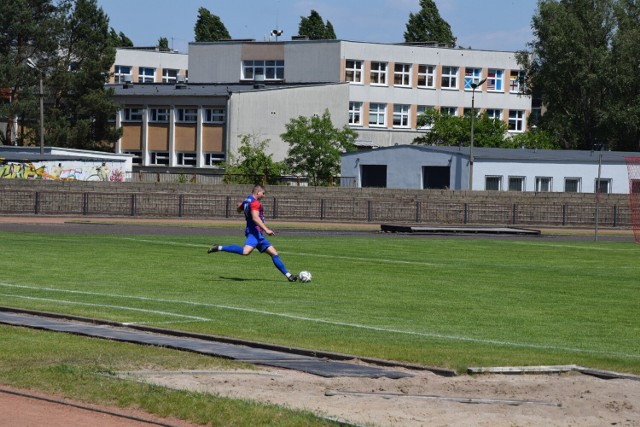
[66, 171]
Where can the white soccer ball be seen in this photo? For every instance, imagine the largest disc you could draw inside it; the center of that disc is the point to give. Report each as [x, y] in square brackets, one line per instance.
[304, 276]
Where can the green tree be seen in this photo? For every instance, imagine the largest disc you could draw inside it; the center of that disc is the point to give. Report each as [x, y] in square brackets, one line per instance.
[315, 146]
[570, 67]
[82, 110]
[253, 165]
[209, 27]
[25, 34]
[119, 39]
[531, 139]
[445, 129]
[428, 26]
[314, 27]
[623, 113]
[163, 43]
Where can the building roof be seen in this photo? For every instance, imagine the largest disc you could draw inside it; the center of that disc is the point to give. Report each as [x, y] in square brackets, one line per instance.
[519, 154]
[186, 89]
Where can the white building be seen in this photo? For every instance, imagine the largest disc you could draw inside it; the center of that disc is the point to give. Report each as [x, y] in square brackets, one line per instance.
[149, 65]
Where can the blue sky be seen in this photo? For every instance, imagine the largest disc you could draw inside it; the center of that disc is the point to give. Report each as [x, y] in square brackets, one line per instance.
[487, 24]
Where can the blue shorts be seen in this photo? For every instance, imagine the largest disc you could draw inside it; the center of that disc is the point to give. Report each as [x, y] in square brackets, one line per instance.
[257, 240]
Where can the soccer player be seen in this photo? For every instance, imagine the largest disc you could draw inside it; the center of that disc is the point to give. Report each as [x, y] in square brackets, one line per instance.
[256, 228]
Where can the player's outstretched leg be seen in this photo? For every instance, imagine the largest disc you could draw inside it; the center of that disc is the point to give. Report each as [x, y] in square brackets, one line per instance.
[235, 249]
[280, 266]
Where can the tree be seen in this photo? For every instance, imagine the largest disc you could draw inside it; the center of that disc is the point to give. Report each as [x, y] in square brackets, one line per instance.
[82, 110]
[253, 165]
[428, 26]
[314, 27]
[25, 34]
[445, 129]
[163, 43]
[315, 146]
[209, 27]
[119, 39]
[570, 67]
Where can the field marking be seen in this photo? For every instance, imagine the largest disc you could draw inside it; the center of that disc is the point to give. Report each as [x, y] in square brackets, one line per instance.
[565, 246]
[324, 321]
[119, 307]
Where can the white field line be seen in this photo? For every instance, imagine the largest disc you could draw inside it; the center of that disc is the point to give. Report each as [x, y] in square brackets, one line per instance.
[337, 323]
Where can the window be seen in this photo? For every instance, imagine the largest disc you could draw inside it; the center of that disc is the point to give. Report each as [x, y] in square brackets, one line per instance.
[187, 159]
[449, 111]
[401, 116]
[122, 74]
[146, 75]
[449, 78]
[159, 158]
[133, 114]
[355, 113]
[211, 159]
[187, 115]
[214, 115]
[378, 73]
[137, 157]
[495, 80]
[516, 121]
[353, 71]
[263, 70]
[543, 184]
[169, 75]
[516, 80]
[493, 183]
[604, 186]
[377, 115]
[402, 75]
[516, 183]
[471, 75]
[422, 109]
[572, 185]
[427, 76]
[158, 114]
[494, 114]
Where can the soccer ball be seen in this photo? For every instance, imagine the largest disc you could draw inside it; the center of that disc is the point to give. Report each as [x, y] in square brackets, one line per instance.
[305, 276]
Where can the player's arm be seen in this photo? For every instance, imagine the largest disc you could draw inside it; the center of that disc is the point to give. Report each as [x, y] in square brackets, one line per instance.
[240, 207]
[255, 215]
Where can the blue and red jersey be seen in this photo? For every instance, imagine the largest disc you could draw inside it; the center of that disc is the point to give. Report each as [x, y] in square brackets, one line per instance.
[252, 204]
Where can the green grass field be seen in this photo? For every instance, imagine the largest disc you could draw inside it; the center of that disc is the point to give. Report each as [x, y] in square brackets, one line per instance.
[441, 302]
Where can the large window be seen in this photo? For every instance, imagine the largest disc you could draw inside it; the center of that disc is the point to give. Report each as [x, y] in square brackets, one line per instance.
[122, 74]
[516, 121]
[493, 183]
[378, 73]
[378, 115]
[516, 80]
[426, 76]
[543, 184]
[516, 183]
[159, 158]
[187, 115]
[212, 159]
[402, 75]
[471, 75]
[169, 75]
[355, 113]
[495, 80]
[146, 75]
[449, 79]
[494, 113]
[214, 115]
[422, 109]
[449, 111]
[187, 158]
[603, 186]
[572, 185]
[263, 70]
[353, 71]
[158, 114]
[401, 116]
[133, 114]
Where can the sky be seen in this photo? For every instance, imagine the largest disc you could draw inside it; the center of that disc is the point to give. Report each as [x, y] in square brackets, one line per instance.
[503, 25]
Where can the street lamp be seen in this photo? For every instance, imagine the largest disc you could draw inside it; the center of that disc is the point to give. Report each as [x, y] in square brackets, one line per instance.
[474, 85]
[33, 66]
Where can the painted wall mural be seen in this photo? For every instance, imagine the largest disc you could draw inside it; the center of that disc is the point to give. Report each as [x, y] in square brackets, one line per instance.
[67, 170]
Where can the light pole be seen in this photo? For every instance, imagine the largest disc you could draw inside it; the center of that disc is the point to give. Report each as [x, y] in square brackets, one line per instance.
[33, 65]
[474, 85]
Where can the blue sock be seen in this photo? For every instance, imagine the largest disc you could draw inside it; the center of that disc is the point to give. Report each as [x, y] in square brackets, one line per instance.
[279, 264]
[236, 249]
